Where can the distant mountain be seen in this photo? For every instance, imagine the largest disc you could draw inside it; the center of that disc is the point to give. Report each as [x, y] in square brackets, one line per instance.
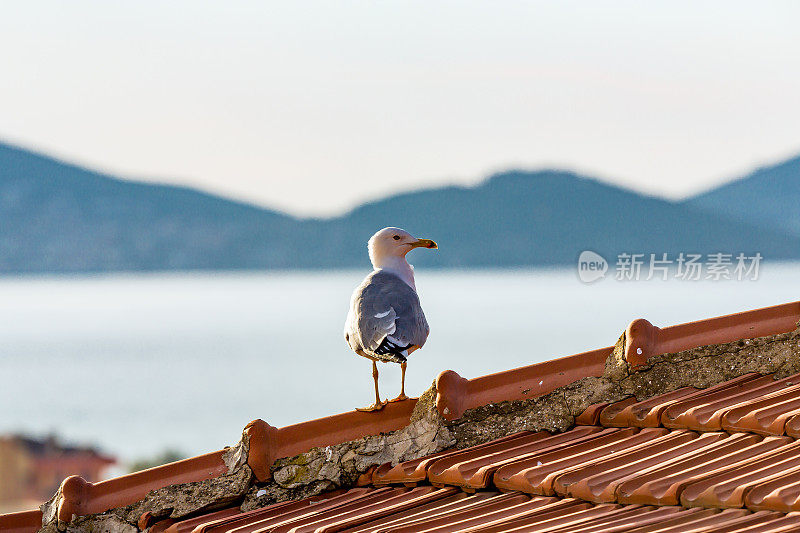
[769, 197]
[547, 218]
[57, 217]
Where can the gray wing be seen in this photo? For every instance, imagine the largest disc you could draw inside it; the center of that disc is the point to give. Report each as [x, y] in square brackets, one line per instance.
[385, 318]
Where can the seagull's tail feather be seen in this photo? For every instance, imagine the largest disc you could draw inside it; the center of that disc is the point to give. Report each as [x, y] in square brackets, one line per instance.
[391, 351]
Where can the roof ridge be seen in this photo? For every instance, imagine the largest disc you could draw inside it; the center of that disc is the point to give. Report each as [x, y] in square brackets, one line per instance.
[263, 444]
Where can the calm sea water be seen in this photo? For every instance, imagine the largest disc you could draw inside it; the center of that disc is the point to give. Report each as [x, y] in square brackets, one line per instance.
[135, 364]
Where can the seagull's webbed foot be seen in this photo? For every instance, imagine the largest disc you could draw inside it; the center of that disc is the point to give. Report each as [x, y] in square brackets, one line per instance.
[399, 398]
[374, 407]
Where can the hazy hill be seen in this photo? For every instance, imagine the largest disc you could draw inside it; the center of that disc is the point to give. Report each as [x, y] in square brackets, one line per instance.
[549, 217]
[770, 197]
[56, 217]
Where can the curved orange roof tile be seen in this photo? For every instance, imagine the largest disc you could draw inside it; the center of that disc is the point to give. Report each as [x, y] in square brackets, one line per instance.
[455, 394]
[644, 340]
[21, 522]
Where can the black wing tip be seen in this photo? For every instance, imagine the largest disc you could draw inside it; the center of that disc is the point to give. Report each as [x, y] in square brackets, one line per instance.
[389, 351]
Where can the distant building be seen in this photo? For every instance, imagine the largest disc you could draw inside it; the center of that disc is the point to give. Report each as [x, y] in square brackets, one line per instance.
[31, 470]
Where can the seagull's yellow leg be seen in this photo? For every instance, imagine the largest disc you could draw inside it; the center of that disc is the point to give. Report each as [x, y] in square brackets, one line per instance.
[402, 384]
[378, 405]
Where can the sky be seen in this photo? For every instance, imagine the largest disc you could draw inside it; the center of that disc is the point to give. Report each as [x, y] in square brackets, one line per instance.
[314, 107]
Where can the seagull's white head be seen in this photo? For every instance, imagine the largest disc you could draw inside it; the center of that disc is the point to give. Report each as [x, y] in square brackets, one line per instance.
[390, 246]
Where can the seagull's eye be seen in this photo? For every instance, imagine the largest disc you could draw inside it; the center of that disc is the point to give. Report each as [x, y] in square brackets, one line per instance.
[396, 237]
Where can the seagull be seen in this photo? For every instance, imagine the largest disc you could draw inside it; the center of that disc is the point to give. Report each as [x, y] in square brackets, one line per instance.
[386, 322]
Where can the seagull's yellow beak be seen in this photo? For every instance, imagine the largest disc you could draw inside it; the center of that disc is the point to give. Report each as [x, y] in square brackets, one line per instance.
[424, 243]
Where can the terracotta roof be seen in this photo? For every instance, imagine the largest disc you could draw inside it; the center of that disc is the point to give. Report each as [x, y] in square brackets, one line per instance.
[607, 477]
[647, 464]
[667, 463]
[414, 510]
